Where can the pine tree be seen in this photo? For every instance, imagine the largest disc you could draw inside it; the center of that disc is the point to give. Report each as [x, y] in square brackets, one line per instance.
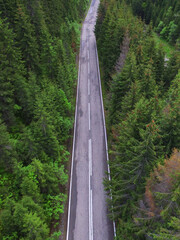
[122, 83]
[15, 93]
[130, 99]
[136, 154]
[147, 80]
[25, 38]
[7, 159]
[39, 41]
[170, 118]
[8, 65]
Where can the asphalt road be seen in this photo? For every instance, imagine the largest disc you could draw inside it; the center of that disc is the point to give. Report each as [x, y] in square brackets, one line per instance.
[87, 213]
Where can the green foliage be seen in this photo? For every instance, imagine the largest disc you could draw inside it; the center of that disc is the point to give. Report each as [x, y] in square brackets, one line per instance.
[142, 88]
[55, 236]
[7, 159]
[170, 118]
[54, 206]
[164, 14]
[23, 221]
[39, 41]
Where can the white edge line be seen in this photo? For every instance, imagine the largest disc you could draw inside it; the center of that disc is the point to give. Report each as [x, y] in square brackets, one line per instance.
[88, 87]
[88, 80]
[89, 115]
[90, 157]
[89, 200]
[72, 163]
[90, 206]
[88, 69]
[90, 193]
[104, 123]
[91, 215]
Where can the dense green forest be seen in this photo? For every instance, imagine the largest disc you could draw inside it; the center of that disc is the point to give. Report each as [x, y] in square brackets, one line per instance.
[38, 44]
[164, 14]
[142, 108]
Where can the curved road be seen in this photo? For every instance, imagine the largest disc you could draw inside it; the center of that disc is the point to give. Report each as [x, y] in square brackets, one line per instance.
[87, 213]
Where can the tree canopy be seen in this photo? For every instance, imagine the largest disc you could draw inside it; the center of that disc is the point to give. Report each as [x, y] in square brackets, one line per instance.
[142, 111]
[38, 45]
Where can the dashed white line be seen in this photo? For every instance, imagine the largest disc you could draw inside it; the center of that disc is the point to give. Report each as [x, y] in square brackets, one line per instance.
[89, 115]
[88, 69]
[88, 54]
[88, 79]
[88, 87]
[90, 157]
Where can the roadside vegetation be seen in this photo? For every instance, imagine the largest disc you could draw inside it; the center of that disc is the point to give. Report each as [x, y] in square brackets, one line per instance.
[143, 121]
[164, 15]
[39, 41]
[168, 48]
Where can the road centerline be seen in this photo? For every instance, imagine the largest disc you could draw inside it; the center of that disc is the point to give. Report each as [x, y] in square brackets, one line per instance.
[89, 115]
[88, 87]
[90, 157]
[88, 68]
[88, 79]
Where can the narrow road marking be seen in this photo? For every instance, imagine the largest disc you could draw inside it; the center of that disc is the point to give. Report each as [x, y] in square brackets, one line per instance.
[88, 69]
[88, 54]
[89, 115]
[88, 80]
[91, 207]
[88, 87]
[90, 193]
[90, 158]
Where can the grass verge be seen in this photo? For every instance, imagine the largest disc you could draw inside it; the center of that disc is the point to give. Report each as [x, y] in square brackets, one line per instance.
[168, 48]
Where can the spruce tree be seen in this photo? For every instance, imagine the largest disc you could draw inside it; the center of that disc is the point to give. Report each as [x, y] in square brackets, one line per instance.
[170, 118]
[25, 38]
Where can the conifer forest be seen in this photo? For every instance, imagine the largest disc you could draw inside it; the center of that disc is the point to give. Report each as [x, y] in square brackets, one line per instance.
[142, 105]
[39, 41]
[39, 47]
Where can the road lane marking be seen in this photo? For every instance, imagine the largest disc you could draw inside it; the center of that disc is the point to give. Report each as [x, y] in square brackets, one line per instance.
[89, 115]
[90, 158]
[88, 87]
[90, 161]
[90, 192]
[88, 69]
[88, 80]
[91, 206]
